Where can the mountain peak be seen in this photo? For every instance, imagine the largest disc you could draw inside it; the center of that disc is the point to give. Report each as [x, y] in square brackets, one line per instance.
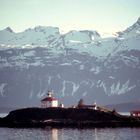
[44, 29]
[138, 21]
[132, 30]
[82, 36]
[8, 29]
[135, 25]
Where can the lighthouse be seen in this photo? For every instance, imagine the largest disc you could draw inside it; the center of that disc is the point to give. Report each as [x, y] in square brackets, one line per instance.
[49, 101]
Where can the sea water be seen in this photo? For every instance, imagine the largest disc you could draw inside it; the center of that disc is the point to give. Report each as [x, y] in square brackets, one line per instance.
[50, 133]
[70, 134]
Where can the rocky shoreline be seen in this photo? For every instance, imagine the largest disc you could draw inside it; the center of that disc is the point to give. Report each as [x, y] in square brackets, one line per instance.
[66, 117]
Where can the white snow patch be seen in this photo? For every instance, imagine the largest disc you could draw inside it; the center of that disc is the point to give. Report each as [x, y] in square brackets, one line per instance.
[84, 94]
[74, 41]
[105, 89]
[63, 88]
[37, 63]
[111, 77]
[49, 80]
[65, 64]
[92, 84]
[31, 94]
[121, 89]
[75, 87]
[120, 38]
[138, 32]
[102, 84]
[76, 61]
[92, 37]
[131, 60]
[29, 53]
[39, 95]
[95, 70]
[2, 88]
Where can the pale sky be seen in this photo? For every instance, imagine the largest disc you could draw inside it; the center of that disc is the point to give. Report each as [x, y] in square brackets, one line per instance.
[101, 15]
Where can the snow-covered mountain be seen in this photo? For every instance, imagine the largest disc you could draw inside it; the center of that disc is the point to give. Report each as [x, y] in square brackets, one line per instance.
[42, 35]
[84, 36]
[131, 31]
[78, 64]
[38, 36]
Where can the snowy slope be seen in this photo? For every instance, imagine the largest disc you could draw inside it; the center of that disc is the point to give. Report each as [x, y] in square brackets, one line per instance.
[42, 35]
[78, 64]
[36, 36]
[131, 31]
[84, 36]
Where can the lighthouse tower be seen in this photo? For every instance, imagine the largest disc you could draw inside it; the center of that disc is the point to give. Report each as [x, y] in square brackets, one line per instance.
[49, 101]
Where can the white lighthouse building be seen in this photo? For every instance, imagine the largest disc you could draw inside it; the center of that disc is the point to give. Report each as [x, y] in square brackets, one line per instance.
[49, 101]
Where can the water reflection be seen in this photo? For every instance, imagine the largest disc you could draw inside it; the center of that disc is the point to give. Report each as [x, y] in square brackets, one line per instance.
[70, 134]
[54, 134]
[95, 134]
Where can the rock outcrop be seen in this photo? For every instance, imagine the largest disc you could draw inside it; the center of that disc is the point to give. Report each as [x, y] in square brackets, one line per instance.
[66, 117]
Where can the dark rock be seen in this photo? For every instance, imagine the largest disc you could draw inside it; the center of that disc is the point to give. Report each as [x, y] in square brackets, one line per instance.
[66, 117]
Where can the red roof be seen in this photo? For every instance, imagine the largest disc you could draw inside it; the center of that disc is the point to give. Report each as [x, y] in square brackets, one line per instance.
[49, 99]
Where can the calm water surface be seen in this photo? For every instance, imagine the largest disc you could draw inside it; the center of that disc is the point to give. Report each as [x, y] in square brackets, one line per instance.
[70, 134]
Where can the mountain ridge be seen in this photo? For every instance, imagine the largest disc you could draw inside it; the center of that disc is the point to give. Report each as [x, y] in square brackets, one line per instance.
[73, 65]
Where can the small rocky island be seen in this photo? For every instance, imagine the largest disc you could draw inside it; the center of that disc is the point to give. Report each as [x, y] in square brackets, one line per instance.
[52, 114]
